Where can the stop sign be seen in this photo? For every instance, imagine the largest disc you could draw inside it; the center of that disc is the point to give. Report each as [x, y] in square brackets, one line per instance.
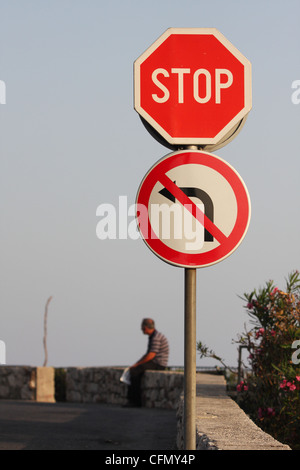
[193, 87]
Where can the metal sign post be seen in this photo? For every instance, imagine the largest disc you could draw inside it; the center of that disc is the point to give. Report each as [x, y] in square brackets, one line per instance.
[190, 289]
[189, 358]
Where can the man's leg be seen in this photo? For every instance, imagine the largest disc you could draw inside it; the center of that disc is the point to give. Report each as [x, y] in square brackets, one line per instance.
[136, 374]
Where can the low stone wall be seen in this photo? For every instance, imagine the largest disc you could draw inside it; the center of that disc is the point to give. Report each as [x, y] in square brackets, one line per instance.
[89, 385]
[102, 385]
[95, 385]
[27, 383]
[162, 389]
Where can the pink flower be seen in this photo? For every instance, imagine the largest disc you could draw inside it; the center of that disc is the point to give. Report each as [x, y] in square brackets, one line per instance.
[250, 305]
[242, 387]
[283, 384]
[260, 332]
[262, 412]
[239, 387]
[288, 385]
[298, 378]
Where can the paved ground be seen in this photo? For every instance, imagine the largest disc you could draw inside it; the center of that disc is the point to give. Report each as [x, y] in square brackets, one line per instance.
[66, 426]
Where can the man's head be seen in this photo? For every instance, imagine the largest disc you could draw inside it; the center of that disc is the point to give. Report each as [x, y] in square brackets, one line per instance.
[148, 326]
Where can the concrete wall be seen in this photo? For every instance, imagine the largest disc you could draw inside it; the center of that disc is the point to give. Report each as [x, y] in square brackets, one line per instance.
[220, 423]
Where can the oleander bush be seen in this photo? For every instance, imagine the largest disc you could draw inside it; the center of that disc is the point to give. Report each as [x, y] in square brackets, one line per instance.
[270, 394]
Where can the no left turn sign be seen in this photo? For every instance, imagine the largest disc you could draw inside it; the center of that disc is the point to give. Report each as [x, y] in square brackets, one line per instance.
[193, 209]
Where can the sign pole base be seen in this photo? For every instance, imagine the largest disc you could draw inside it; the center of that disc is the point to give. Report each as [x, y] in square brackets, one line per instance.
[190, 359]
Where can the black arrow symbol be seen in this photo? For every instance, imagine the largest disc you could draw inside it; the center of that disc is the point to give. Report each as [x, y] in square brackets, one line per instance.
[199, 194]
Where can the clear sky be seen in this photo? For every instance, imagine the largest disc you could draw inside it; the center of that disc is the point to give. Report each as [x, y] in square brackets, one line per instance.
[70, 141]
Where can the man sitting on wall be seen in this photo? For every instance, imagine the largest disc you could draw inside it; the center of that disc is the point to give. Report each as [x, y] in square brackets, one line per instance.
[155, 358]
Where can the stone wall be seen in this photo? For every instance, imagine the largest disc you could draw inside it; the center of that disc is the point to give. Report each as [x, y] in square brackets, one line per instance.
[27, 383]
[95, 385]
[162, 389]
[102, 385]
[89, 385]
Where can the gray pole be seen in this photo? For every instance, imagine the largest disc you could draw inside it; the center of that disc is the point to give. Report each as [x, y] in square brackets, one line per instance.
[190, 353]
[189, 358]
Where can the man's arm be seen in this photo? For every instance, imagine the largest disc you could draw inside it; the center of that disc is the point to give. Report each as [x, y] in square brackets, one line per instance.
[146, 358]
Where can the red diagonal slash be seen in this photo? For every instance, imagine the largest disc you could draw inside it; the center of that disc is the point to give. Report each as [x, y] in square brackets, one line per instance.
[192, 207]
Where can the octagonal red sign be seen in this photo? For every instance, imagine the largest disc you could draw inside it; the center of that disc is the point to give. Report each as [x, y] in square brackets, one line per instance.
[192, 86]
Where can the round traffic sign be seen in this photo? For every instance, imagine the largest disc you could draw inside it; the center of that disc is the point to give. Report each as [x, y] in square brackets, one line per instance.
[193, 209]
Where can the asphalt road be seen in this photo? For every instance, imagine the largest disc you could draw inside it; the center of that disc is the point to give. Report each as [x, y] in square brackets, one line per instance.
[68, 426]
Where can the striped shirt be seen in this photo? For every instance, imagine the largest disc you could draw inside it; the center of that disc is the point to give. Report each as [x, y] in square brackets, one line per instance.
[158, 344]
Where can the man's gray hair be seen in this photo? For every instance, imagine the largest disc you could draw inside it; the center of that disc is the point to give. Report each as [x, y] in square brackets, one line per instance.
[149, 323]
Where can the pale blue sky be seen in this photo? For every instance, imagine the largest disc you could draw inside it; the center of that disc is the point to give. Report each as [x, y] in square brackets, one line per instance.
[71, 140]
